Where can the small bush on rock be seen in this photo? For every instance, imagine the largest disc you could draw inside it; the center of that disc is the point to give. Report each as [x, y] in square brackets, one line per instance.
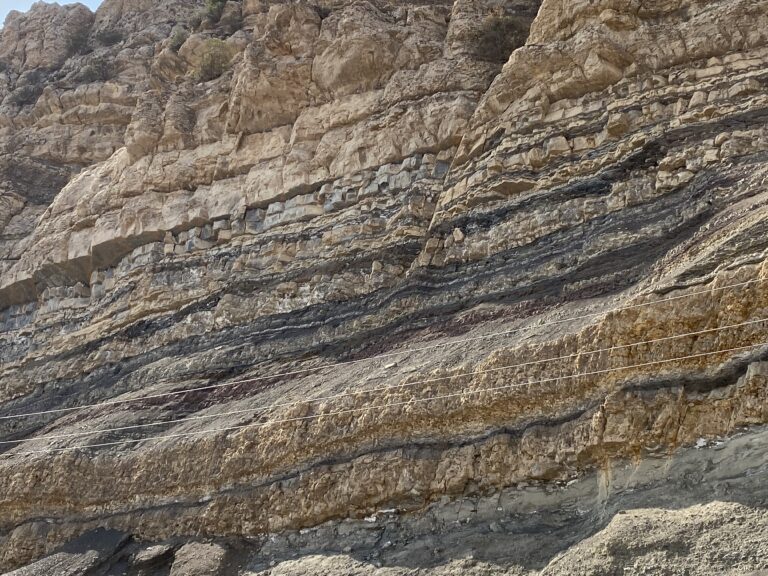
[178, 38]
[214, 8]
[196, 20]
[97, 70]
[215, 60]
[77, 41]
[109, 37]
[498, 37]
[25, 95]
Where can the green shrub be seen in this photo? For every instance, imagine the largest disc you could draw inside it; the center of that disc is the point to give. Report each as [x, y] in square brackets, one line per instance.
[196, 20]
[26, 95]
[214, 9]
[178, 38]
[97, 70]
[109, 37]
[77, 41]
[215, 60]
[498, 37]
[230, 22]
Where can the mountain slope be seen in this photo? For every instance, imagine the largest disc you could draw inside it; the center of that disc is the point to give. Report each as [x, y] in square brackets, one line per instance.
[272, 270]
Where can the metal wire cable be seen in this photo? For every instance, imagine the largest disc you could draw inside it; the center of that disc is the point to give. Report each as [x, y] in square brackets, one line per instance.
[339, 396]
[379, 356]
[371, 407]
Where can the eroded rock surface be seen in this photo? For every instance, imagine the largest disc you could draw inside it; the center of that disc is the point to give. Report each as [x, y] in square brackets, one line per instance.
[403, 253]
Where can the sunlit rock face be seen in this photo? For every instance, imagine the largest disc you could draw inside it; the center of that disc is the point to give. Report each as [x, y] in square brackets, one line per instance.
[403, 254]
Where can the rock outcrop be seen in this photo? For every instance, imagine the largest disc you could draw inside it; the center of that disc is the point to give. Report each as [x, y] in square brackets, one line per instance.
[342, 277]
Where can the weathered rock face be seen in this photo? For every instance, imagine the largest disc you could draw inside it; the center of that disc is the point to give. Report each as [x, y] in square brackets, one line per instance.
[69, 86]
[41, 38]
[311, 261]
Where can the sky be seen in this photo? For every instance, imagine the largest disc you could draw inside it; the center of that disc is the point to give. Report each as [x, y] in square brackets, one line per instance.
[23, 5]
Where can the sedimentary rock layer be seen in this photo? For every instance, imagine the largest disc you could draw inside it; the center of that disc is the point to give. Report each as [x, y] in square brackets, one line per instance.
[433, 233]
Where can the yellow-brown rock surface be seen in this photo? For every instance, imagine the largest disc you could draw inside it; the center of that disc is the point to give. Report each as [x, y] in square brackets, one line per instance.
[408, 283]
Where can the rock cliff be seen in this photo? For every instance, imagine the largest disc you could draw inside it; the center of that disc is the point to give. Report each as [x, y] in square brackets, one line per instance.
[376, 287]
